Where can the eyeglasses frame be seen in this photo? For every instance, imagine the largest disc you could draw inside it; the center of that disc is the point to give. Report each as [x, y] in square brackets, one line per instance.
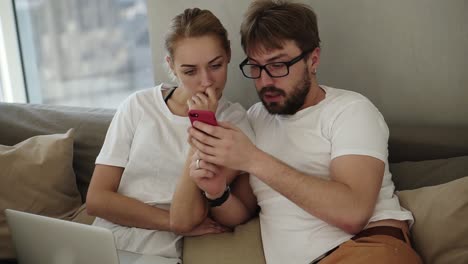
[264, 67]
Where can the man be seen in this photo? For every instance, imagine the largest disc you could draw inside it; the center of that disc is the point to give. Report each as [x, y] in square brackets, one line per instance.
[319, 169]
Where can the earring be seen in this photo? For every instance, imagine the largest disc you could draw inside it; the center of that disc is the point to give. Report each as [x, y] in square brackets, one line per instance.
[315, 71]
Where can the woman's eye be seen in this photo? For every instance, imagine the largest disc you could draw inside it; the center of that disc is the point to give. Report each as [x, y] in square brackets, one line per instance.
[216, 66]
[191, 72]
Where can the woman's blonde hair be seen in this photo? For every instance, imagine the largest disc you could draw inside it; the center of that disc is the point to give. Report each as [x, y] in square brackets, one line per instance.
[195, 22]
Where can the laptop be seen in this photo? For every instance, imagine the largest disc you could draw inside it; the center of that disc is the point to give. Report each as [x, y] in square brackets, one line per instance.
[40, 239]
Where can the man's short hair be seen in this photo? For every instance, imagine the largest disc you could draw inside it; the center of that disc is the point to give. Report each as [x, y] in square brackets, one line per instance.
[269, 23]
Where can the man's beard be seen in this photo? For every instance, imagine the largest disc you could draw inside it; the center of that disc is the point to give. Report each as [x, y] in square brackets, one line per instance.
[294, 101]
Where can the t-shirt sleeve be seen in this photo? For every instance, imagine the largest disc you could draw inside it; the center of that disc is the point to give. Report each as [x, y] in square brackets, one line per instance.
[237, 116]
[116, 148]
[360, 129]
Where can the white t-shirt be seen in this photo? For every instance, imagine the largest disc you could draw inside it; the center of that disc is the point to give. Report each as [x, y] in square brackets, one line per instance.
[150, 142]
[343, 123]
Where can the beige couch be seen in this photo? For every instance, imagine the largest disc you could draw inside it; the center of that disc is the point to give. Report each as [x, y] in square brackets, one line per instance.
[50, 174]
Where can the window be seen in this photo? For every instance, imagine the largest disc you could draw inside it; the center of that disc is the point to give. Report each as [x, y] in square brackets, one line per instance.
[1, 87]
[84, 52]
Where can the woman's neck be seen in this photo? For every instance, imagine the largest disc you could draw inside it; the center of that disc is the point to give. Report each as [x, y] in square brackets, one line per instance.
[177, 103]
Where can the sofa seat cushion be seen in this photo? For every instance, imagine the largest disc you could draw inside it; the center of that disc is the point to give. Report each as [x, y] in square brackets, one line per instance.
[81, 216]
[244, 245]
[440, 231]
[37, 177]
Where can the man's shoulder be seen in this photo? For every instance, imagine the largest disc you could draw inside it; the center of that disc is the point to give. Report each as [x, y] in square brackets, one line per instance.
[230, 111]
[257, 110]
[342, 97]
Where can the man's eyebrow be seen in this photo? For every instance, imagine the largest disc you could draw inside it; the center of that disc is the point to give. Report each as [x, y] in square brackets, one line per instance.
[211, 61]
[272, 59]
[279, 56]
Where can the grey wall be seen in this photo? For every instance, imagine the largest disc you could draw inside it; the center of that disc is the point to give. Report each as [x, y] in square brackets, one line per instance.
[410, 57]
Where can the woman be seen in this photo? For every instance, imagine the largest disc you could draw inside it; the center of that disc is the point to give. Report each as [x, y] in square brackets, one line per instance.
[146, 153]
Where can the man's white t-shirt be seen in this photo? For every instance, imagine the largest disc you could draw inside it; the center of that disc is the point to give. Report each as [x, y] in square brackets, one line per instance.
[343, 123]
[150, 142]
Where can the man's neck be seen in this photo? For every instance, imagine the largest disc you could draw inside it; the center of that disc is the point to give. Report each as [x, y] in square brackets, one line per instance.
[316, 95]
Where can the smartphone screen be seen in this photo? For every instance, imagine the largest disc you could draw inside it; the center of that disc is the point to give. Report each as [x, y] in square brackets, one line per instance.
[204, 116]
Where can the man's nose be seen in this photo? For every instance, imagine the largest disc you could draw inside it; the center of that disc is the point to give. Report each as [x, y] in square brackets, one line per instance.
[265, 79]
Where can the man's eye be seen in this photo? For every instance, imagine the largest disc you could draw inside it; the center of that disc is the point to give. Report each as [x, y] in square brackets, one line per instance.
[216, 66]
[276, 65]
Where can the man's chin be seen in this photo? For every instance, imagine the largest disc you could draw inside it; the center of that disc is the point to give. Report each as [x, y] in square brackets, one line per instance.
[273, 108]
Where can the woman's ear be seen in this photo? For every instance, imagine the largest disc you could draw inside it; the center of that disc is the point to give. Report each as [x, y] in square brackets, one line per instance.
[169, 62]
[171, 68]
[228, 55]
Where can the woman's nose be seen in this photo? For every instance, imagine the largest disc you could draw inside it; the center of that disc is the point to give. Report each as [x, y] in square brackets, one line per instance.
[206, 79]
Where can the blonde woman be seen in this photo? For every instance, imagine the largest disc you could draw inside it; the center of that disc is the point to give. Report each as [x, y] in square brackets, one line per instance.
[146, 154]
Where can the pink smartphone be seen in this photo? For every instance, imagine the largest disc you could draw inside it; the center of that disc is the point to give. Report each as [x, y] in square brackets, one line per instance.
[204, 116]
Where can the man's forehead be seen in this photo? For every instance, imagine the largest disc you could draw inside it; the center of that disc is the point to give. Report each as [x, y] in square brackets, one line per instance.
[264, 52]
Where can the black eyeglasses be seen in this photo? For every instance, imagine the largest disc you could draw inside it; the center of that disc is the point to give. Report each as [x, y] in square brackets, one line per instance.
[274, 69]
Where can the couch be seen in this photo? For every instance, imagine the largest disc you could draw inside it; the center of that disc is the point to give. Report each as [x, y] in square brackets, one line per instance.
[50, 174]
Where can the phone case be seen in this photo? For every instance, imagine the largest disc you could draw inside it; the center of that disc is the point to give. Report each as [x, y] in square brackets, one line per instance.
[204, 116]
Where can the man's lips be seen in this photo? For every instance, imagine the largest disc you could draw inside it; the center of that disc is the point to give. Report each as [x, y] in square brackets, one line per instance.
[272, 97]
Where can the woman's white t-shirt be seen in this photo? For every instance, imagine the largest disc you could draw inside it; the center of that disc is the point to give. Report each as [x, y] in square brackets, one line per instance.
[150, 142]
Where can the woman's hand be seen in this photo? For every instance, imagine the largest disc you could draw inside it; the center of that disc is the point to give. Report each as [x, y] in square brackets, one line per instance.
[208, 226]
[209, 178]
[204, 101]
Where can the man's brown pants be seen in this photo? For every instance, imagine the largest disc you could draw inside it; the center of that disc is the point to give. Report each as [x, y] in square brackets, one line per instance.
[374, 249]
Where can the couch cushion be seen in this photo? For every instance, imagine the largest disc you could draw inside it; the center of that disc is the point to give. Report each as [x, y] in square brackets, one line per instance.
[21, 121]
[440, 231]
[415, 174]
[37, 177]
[81, 216]
[244, 245]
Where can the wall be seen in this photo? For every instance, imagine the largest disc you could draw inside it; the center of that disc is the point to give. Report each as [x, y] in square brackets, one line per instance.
[409, 57]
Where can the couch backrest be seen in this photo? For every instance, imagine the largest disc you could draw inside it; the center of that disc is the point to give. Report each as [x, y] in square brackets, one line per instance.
[416, 143]
[21, 121]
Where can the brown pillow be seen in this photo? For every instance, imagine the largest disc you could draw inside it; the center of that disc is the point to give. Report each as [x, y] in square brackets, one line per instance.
[440, 231]
[37, 176]
[244, 245]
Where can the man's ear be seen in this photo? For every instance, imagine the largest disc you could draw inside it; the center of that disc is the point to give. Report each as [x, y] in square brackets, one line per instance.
[314, 60]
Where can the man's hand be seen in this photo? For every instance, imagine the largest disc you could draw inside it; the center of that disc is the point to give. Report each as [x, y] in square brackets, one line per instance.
[204, 101]
[208, 226]
[223, 145]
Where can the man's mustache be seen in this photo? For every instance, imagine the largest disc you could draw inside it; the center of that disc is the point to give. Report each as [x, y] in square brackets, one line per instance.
[271, 89]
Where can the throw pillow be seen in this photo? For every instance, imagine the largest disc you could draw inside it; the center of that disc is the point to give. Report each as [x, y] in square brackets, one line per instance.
[37, 176]
[244, 245]
[440, 231]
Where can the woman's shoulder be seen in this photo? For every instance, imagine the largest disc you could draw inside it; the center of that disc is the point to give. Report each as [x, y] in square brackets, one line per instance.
[145, 97]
